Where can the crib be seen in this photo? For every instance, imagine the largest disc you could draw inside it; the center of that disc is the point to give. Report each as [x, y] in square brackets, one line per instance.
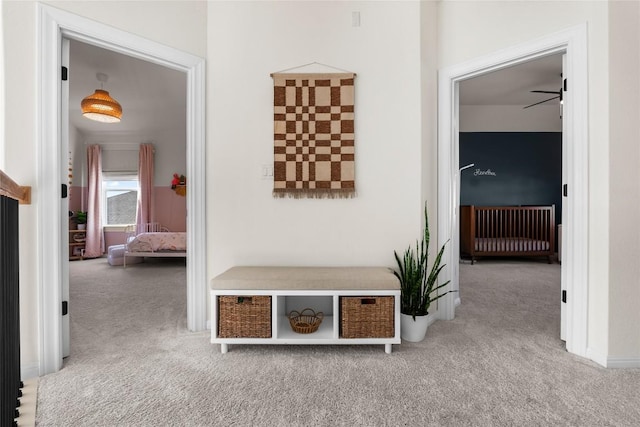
[523, 231]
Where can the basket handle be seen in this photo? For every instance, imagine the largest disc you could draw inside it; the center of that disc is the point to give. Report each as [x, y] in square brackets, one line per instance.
[319, 315]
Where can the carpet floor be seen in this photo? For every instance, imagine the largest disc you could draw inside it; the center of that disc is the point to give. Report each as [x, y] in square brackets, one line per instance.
[499, 363]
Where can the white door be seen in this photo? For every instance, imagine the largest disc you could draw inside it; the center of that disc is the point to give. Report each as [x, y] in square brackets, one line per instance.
[565, 213]
[64, 205]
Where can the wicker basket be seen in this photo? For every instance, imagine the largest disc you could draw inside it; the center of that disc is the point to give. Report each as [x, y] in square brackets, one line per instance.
[244, 316]
[367, 317]
[306, 321]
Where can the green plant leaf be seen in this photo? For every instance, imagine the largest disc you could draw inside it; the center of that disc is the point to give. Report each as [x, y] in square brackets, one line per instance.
[416, 286]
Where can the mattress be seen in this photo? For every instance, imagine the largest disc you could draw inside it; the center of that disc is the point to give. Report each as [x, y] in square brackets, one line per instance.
[510, 244]
[158, 242]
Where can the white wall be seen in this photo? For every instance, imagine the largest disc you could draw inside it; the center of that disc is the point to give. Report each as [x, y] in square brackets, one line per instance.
[170, 151]
[510, 118]
[429, 89]
[470, 29]
[250, 40]
[20, 159]
[179, 24]
[624, 163]
[2, 65]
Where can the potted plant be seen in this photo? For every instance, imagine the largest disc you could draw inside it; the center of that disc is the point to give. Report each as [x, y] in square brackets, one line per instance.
[81, 219]
[418, 285]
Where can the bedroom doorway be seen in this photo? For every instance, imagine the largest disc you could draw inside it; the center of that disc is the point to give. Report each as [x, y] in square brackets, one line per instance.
[54, 25]
[575, 231]
[511, 142]
[151, 117]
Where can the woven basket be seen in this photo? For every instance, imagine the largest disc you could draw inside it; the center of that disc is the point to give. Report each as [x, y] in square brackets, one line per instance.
[244, 316]
[367, 317]
[306, 321]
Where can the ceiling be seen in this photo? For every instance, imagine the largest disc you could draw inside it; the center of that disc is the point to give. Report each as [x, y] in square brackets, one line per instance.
[152, 97]
[512, 86]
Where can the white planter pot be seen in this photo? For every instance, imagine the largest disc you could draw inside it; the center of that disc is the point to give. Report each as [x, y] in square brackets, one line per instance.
[82, 226]
[413, 330]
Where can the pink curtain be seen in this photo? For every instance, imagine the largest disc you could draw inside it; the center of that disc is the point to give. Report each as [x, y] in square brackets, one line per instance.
[145, 212]
[95, 243]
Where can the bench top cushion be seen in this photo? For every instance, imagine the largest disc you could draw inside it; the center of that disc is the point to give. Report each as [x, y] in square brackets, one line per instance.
[306, 278]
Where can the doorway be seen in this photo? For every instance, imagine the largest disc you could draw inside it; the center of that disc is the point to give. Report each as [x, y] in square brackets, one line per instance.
[54, 25]
[510, 157]
[573, 42]
[154, 101]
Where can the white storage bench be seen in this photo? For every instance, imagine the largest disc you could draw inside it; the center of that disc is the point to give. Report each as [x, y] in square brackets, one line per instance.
[250, 305]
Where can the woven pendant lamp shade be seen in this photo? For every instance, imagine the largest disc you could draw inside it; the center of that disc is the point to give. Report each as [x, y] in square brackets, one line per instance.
[101, 107]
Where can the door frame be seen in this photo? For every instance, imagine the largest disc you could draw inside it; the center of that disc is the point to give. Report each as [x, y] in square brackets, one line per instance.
[575, 234]
[54, 25]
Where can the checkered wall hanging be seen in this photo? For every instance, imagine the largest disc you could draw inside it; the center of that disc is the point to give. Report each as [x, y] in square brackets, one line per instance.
[314, 135]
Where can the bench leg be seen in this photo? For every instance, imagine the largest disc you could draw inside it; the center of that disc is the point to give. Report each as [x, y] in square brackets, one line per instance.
[388, 348]
[224, 348]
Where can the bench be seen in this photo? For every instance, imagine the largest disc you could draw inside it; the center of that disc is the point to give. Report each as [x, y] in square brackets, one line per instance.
[361, 305]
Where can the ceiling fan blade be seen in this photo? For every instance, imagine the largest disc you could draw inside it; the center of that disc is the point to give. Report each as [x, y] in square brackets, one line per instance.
[541, 102]
[545, 91]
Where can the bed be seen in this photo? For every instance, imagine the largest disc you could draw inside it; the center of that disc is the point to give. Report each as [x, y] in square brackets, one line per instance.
[153, 240]
[523, 231]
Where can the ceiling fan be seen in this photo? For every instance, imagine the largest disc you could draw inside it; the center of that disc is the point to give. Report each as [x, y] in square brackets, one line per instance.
[558, 95]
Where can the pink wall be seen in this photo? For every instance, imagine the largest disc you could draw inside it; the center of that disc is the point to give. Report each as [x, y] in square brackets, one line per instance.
[76, 197]
[170, 211]
[114, 238]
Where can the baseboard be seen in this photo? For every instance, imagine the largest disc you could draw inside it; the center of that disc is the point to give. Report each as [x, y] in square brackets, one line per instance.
[29, 371]
[623, 362]
[613, 362]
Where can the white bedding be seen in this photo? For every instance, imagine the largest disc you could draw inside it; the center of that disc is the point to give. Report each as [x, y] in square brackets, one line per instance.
[158, 242]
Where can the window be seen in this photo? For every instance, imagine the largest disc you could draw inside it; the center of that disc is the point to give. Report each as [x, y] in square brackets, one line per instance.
[120, 197]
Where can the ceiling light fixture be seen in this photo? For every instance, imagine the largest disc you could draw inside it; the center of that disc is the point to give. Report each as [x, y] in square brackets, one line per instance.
[101, 107]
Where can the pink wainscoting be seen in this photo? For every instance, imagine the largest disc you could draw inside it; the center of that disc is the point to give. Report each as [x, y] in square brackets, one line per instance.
[171, 209]
[114, 238]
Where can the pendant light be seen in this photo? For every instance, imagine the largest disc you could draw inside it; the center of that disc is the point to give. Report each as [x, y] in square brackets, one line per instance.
[100, 106]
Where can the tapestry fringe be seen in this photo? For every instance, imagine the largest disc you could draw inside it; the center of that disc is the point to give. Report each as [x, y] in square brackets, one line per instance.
[314, 194]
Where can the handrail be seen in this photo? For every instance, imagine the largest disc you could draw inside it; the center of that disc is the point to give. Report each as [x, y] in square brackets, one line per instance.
[9, 188]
